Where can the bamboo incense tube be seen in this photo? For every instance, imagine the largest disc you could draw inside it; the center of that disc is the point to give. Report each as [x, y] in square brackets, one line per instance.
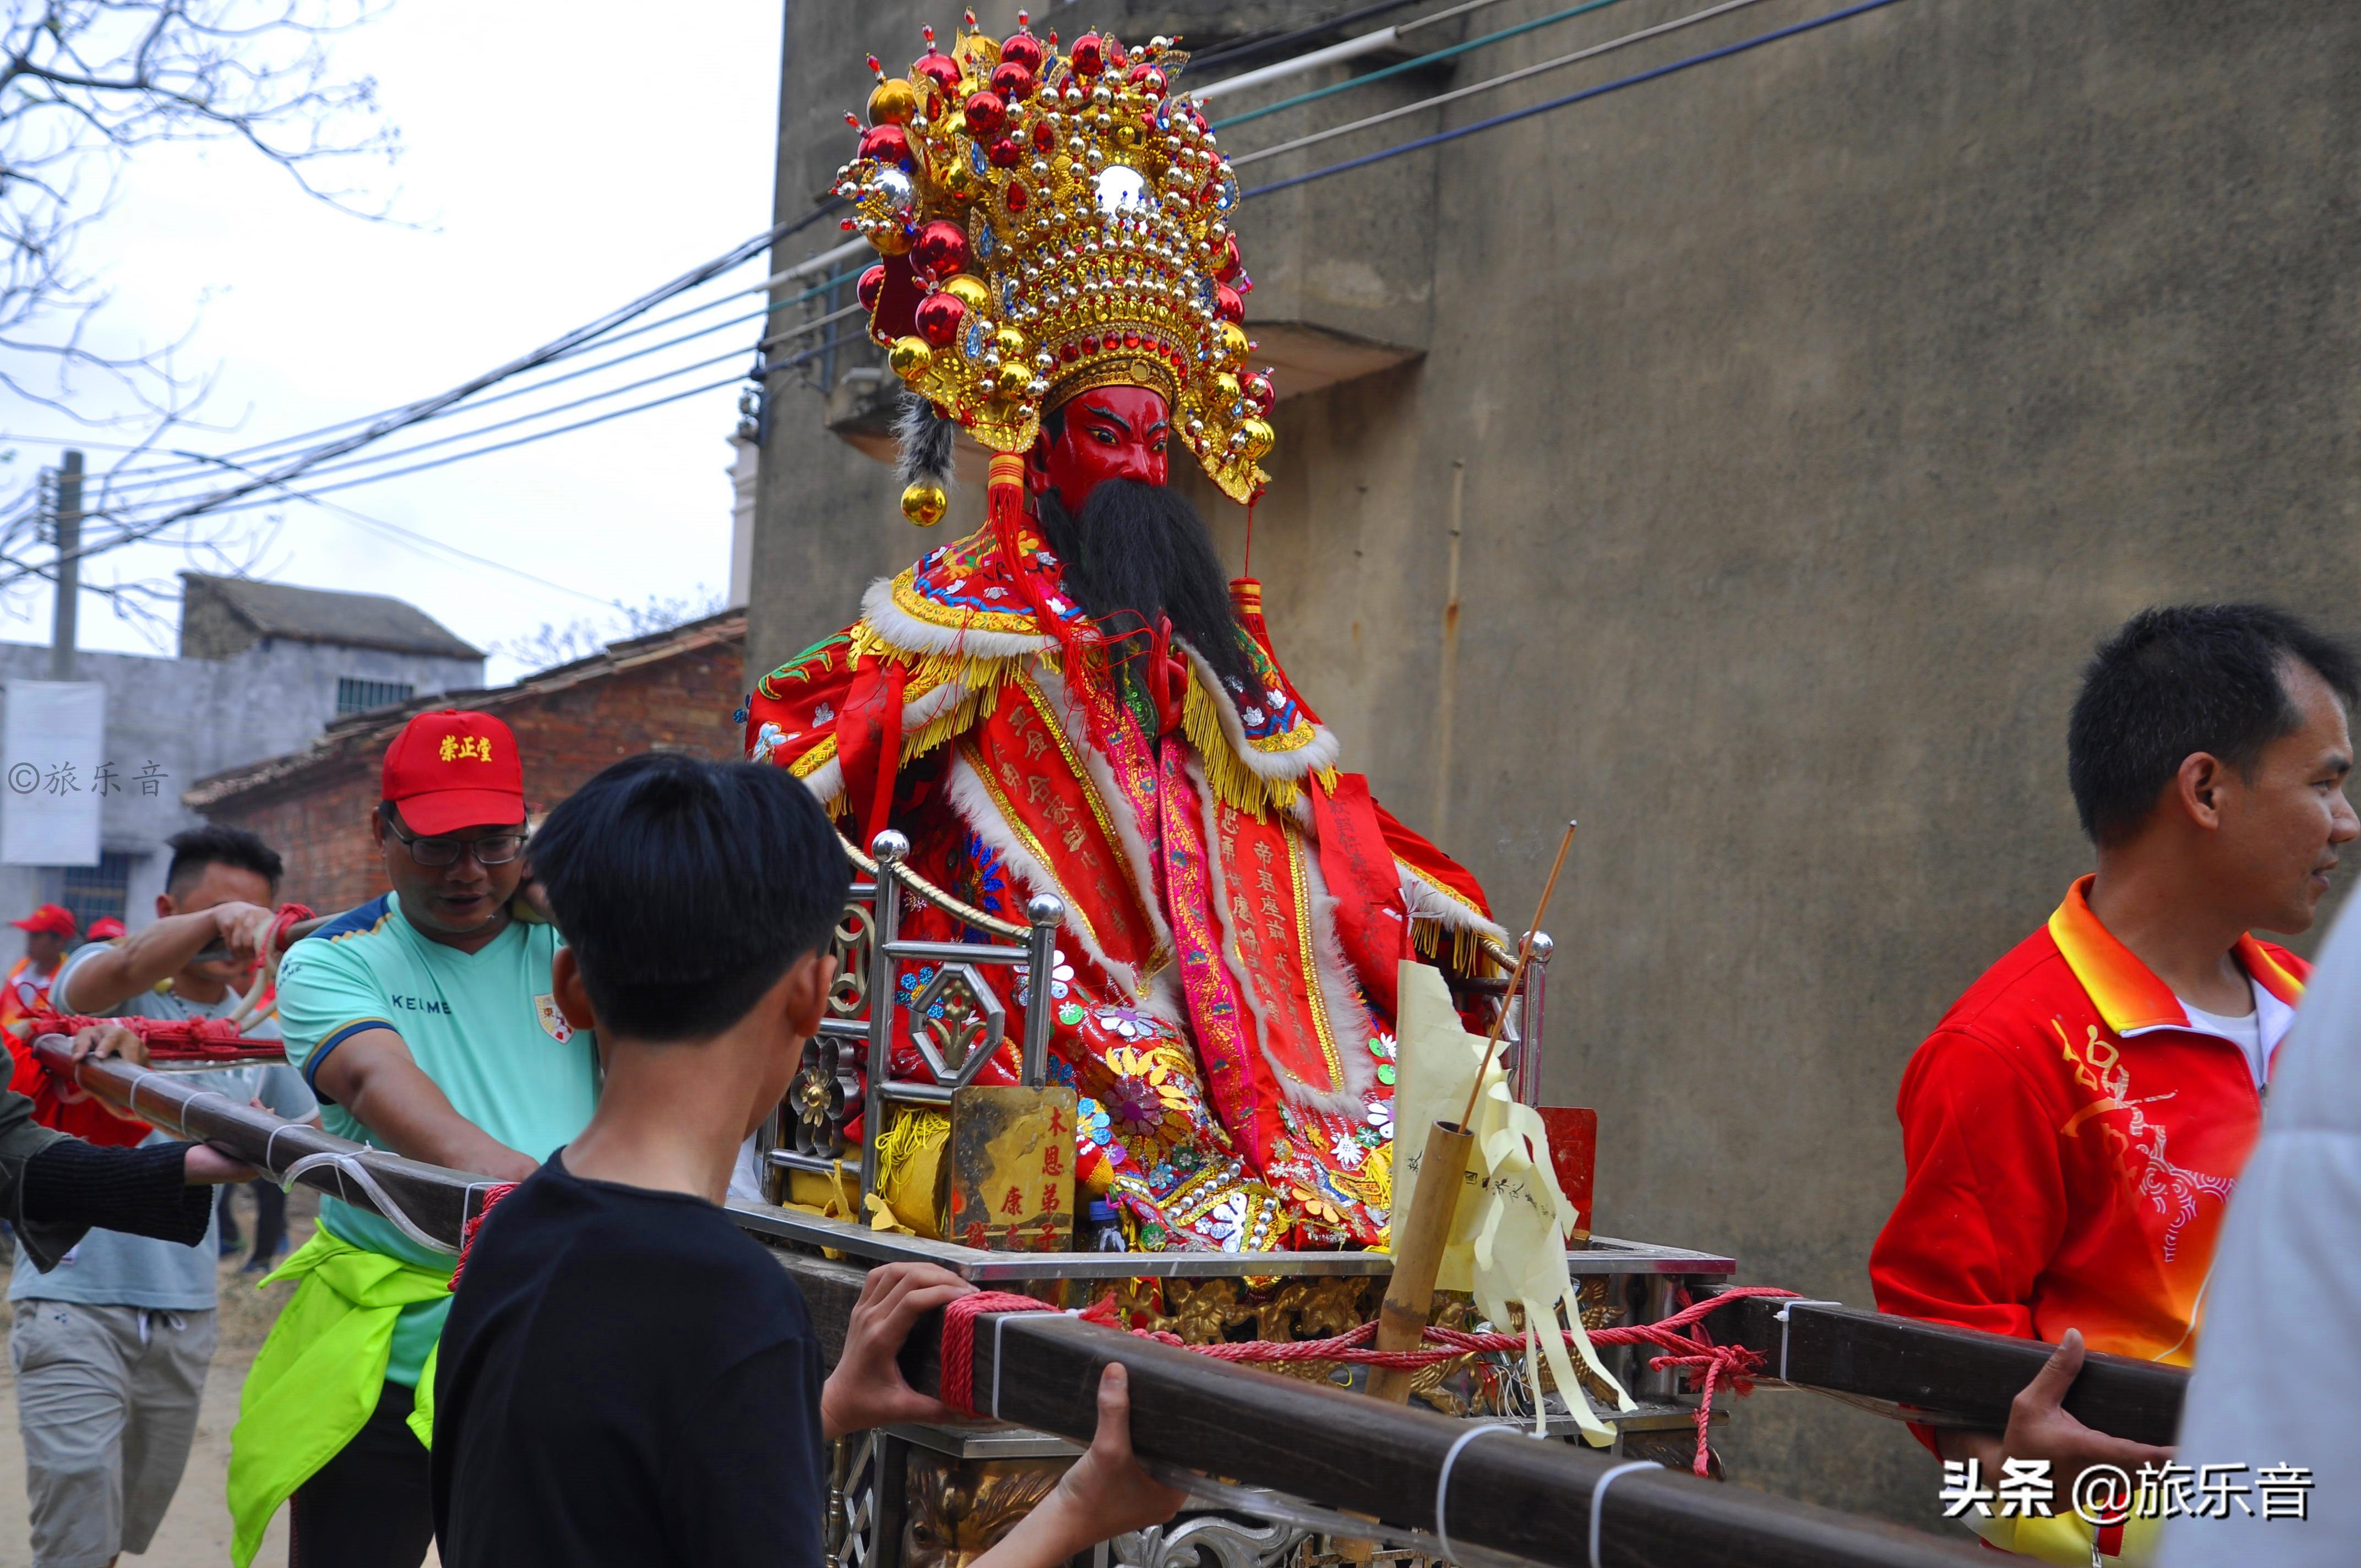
[1418, 1243]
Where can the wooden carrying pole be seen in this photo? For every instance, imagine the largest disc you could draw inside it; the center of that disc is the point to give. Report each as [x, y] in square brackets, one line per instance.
[438, 1202]
[1507, 1493]
[1967, 1377]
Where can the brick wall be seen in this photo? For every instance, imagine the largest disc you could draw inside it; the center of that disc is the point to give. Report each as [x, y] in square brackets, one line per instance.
[319, 817]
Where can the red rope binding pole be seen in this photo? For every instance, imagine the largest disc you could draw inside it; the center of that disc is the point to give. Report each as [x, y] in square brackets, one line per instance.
[958, 1341]
[168, 1039]
[1682, 1336]
[492, 1195]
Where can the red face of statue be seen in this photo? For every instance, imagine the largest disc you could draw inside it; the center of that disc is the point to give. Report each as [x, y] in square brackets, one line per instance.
[1112, 432]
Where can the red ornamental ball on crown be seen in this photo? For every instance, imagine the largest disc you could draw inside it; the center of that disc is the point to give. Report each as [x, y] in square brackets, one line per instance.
[940, 250]
[1231, 263]
[938, 67]
[986, 113]
[1004, 154]
[1024, 49]
[1012, 82]
[1258, 390]
[937, 318]
[872, 284]
[889, 145]
[1147, 78]
[1226, 304]
[1088, 57]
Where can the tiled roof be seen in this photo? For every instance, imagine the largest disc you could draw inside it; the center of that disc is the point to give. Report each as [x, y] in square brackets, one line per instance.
[319, 615]
[366, 735]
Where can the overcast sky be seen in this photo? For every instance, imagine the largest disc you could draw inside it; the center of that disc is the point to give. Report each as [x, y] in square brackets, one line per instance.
[560, 158]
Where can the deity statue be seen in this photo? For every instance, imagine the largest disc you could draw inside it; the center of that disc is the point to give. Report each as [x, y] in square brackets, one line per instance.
[1072, 700]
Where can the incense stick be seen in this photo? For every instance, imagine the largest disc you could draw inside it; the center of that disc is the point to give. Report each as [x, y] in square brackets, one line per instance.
[1524, 956]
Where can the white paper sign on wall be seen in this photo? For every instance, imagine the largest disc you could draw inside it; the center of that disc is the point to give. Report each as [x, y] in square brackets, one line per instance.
[52, 743]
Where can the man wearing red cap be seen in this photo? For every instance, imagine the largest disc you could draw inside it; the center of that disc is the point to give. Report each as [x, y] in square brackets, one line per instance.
[48, 932]
[425, 1023]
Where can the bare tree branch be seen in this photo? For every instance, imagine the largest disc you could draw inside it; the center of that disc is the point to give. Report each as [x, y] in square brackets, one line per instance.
[85, 85]
[551, 645]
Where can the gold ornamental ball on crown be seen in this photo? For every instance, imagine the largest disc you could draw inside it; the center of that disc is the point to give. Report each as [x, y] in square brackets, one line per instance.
[1054, 219]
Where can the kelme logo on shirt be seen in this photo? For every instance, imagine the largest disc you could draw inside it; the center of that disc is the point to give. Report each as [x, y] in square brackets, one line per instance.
[553, 1021]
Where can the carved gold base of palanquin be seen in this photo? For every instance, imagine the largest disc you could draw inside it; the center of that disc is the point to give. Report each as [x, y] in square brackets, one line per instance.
[1288, 1310]
[954, 1510]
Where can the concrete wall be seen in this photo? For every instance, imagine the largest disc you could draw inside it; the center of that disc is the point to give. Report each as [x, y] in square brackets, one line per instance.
[1803, 420]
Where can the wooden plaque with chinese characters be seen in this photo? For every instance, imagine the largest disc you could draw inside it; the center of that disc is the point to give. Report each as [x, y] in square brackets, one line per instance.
[1013, 1168]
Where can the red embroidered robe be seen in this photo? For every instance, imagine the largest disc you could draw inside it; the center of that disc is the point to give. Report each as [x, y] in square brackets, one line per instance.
[1235, 906]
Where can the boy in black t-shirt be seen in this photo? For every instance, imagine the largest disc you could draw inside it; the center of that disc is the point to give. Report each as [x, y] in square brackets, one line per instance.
[625, 1377]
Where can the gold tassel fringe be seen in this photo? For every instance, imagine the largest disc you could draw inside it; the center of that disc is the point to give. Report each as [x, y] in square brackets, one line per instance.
[1236, 784]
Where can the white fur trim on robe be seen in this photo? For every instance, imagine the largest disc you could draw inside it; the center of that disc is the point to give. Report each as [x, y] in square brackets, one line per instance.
[1294, 766]
[903, 631]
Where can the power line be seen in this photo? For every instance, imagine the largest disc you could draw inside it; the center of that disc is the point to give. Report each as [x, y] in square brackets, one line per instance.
[1676, 25]
[1571, 98]
[1350, 49]
[397, 531]
[379, 429]
[148, 479]
[428, 541]
[241, 502]
[396, 453]
[760, 372]
[1249, 47]
[414, 413]
[195, 462]
[1421, 63]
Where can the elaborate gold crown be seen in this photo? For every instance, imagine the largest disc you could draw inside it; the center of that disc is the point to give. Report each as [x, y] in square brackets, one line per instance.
[1053, 222]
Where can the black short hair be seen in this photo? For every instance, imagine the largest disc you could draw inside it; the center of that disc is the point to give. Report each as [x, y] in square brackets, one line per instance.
[2180, 679]
[686, 888]
[217, 844]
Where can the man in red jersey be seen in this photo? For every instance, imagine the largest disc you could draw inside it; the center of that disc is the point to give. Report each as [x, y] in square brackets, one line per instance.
[2076, 1123]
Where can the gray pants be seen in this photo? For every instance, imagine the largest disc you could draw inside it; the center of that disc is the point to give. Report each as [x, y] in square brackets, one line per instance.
[107, 1398]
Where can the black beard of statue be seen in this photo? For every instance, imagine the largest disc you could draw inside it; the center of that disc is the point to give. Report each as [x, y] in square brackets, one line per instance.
[1138, 550]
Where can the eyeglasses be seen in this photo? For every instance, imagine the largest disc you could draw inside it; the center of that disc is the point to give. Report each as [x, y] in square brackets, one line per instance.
[491, 849]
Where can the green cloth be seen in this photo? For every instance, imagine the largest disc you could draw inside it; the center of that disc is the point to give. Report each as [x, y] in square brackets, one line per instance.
[317, 1377]
[484, 1026]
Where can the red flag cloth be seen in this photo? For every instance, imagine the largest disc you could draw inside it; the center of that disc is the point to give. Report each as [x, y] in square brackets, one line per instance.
[869, 742]
[87, 1119]
[168, 1039]
[1359, 871]
[1415, 852]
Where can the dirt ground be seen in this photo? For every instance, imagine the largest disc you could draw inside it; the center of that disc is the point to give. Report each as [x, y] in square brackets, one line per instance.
[195, 1533]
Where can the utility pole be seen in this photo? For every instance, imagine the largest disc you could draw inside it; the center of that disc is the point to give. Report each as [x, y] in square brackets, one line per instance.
[69, 519]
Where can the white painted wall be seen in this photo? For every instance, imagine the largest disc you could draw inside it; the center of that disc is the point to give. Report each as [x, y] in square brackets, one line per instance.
[742, 468]
[195, 716]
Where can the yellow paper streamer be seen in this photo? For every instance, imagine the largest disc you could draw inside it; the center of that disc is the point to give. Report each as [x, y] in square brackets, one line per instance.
[1508, 1235]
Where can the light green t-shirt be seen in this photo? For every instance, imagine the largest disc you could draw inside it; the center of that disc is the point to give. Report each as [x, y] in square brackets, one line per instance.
[483, 1026]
